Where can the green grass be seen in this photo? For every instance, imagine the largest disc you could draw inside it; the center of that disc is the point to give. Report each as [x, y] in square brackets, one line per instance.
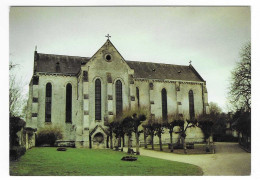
[96, 162]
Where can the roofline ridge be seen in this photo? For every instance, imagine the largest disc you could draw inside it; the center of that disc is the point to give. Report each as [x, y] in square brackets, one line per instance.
[63, 55]
[156, 63]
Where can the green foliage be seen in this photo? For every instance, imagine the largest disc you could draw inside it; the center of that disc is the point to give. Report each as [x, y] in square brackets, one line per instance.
[242, 122]
[93, 162]
[205, 123]
[48, 135]
[15, 125]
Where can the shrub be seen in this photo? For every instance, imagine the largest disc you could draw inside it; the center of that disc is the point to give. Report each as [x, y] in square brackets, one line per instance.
[48, 135]
[15, 125]
[16, 152]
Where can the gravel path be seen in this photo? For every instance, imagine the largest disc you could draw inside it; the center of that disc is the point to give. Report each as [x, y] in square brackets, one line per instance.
[229, 159]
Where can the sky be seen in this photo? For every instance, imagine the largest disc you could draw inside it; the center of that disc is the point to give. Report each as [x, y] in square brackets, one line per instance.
[210, 37]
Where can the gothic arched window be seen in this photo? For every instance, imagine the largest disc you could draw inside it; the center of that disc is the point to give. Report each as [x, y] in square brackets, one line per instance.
[191, 105]
[98, 99]
[119, 98]
[48, 102]
[164, 104]
[138, 97]
[68, 103]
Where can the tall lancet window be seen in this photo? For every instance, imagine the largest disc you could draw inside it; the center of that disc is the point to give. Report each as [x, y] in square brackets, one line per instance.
[119, 98]
[191, 105]
[68, 103]
[48, 102]
[164, 104]
[138, 97]
[98, 99]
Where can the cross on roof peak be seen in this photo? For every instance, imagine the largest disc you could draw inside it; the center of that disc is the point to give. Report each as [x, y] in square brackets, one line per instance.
[108, 36]
[190, 61]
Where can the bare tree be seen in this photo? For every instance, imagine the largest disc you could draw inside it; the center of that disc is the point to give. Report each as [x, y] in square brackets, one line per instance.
[16, 98]
[240, 89]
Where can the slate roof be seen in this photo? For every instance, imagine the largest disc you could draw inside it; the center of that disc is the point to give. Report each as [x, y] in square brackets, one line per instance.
[50, 63]
[149, 70]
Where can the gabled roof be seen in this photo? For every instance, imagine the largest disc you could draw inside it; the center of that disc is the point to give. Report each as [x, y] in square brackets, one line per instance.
[50, 63]
[149, 70]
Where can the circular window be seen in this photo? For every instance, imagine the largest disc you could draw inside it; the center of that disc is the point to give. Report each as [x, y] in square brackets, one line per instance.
[108, 57]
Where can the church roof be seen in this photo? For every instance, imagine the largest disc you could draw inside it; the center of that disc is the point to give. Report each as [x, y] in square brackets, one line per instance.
[50, 63]
[149, 70]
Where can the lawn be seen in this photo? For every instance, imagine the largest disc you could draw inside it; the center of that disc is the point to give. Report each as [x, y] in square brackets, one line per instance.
[48, 161]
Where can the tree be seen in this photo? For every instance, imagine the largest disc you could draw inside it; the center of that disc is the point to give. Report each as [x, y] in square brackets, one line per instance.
[128, 128]
[110, 128]
[170, 124]
[240, 89]
[218, 118]
[150, 130]
[16, 98]
[205, 123]
[138, 117]
[240, 93]
[158, 126]
[242, 123]
[182, 131]
[16, 124]
[214, 108]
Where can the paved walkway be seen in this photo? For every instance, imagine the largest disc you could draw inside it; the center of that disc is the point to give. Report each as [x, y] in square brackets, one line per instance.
[229, 159]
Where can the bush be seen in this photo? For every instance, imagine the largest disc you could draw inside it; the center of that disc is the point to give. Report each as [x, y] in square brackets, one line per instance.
[48, 135]
[16, 152]
[15, 125]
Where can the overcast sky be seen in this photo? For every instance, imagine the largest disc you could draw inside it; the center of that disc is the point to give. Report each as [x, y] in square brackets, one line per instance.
[211, 37]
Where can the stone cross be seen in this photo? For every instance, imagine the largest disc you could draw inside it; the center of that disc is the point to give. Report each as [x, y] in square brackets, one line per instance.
[107, 36]
[190, 62]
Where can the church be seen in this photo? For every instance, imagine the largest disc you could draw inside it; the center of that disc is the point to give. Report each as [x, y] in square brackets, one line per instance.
[81, 94]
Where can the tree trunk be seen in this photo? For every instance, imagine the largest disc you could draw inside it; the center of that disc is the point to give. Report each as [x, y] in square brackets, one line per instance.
[107, 141]
[145, 143]
[160, 141]
[171, 141]
[184, 145]
[137, 143]
[152, 141]
[111, 141]
[129, 145]
[119, 142]
[123, 140]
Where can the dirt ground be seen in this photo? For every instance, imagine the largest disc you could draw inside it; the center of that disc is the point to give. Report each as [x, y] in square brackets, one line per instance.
[228, 160]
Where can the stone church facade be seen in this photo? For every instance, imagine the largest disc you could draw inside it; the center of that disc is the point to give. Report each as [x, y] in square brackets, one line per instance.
[80, 94]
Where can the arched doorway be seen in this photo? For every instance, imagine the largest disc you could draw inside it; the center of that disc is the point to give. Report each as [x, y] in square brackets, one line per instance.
[98, 140]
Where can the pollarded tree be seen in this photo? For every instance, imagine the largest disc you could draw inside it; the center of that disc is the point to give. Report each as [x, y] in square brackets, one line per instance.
[117, 129]
[131, 120]
[111, 126]
[149, 130]
[138, 117]
[183, 129]
[240, 89]
[128, 128]
[158, 126]
[205, 123]
[170, 124]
